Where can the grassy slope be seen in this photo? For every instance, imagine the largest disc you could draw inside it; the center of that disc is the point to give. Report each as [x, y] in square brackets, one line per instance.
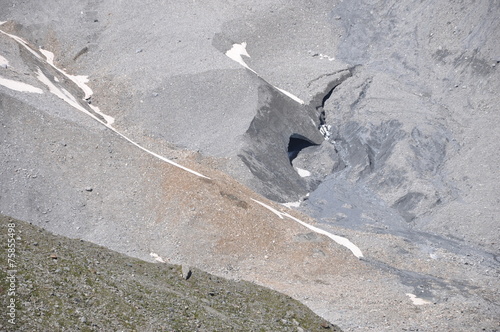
[67, 284]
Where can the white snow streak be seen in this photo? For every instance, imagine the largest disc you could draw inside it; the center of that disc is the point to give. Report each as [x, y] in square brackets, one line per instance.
[19, 86]
[158, 156]
[339, 239]
[294, 97]
[276, 212]
[236, 52]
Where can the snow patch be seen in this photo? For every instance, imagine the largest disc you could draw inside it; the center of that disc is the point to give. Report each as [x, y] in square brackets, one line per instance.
[303, 172]
[416, 300]
[19, 86]
[339, 239]
[3, 62]
[292, 204]
[49, 56]
[156, 257]
[237, 51]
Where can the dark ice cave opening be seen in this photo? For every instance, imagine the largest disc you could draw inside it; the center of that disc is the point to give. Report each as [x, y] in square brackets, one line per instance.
[296, 144]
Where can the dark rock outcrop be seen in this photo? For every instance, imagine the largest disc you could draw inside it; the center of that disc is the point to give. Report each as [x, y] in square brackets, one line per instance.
[279, 119]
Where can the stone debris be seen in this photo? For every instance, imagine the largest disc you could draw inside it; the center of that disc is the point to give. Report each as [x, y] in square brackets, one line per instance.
[186, 272]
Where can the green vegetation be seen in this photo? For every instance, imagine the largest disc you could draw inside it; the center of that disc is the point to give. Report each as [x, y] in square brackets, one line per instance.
[68, 284]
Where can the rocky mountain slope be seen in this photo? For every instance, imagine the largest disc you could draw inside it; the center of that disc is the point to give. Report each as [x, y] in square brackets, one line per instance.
[67, 284]
[374, 120]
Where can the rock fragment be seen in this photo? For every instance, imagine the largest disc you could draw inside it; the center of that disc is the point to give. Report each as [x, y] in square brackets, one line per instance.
[186, 272]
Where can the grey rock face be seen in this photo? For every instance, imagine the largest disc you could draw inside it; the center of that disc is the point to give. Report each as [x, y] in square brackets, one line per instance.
[399, 123]
[279, 119]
